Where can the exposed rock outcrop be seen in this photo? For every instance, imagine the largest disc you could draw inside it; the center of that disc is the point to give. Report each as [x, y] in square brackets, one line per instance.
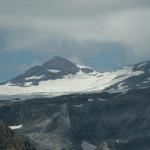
[9, 141]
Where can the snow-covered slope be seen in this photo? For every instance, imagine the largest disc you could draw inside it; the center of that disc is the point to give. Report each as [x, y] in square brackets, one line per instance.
[60, 76]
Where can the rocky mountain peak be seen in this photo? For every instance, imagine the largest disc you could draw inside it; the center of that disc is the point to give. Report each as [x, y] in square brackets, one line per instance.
[55, 68]
[62, 65]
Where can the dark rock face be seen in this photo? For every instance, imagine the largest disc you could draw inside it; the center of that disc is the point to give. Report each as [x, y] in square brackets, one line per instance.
[62, 64]
[108, 121]
[9, 141]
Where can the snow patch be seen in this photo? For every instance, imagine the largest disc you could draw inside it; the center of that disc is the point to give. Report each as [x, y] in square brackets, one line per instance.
[53, 70]
[121, 86]
[137, 73]
[90, 100]
[82, 67]
[81, 105]
[15, 127]
[145, 82]
[28, 84]
[34, 77]
[101, 99]
[113, 90]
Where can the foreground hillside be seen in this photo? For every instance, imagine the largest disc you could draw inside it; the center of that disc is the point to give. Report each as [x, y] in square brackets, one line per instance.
[83, 122]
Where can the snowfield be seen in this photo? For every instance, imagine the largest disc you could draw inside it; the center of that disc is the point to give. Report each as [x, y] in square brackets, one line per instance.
[69, 84]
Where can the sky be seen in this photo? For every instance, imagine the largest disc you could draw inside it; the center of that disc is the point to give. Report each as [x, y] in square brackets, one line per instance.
[102, 34]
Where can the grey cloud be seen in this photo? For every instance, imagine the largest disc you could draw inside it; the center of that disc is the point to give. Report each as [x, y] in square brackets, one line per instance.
[46, 24]
[130, 27]
[66, 8]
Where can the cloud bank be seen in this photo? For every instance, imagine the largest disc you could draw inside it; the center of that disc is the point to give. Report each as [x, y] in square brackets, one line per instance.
[97, 28]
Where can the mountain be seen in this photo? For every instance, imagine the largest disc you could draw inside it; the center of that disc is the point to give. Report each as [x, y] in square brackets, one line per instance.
[76, 108]
[53, 69]
[9, 141]
[60, 76]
